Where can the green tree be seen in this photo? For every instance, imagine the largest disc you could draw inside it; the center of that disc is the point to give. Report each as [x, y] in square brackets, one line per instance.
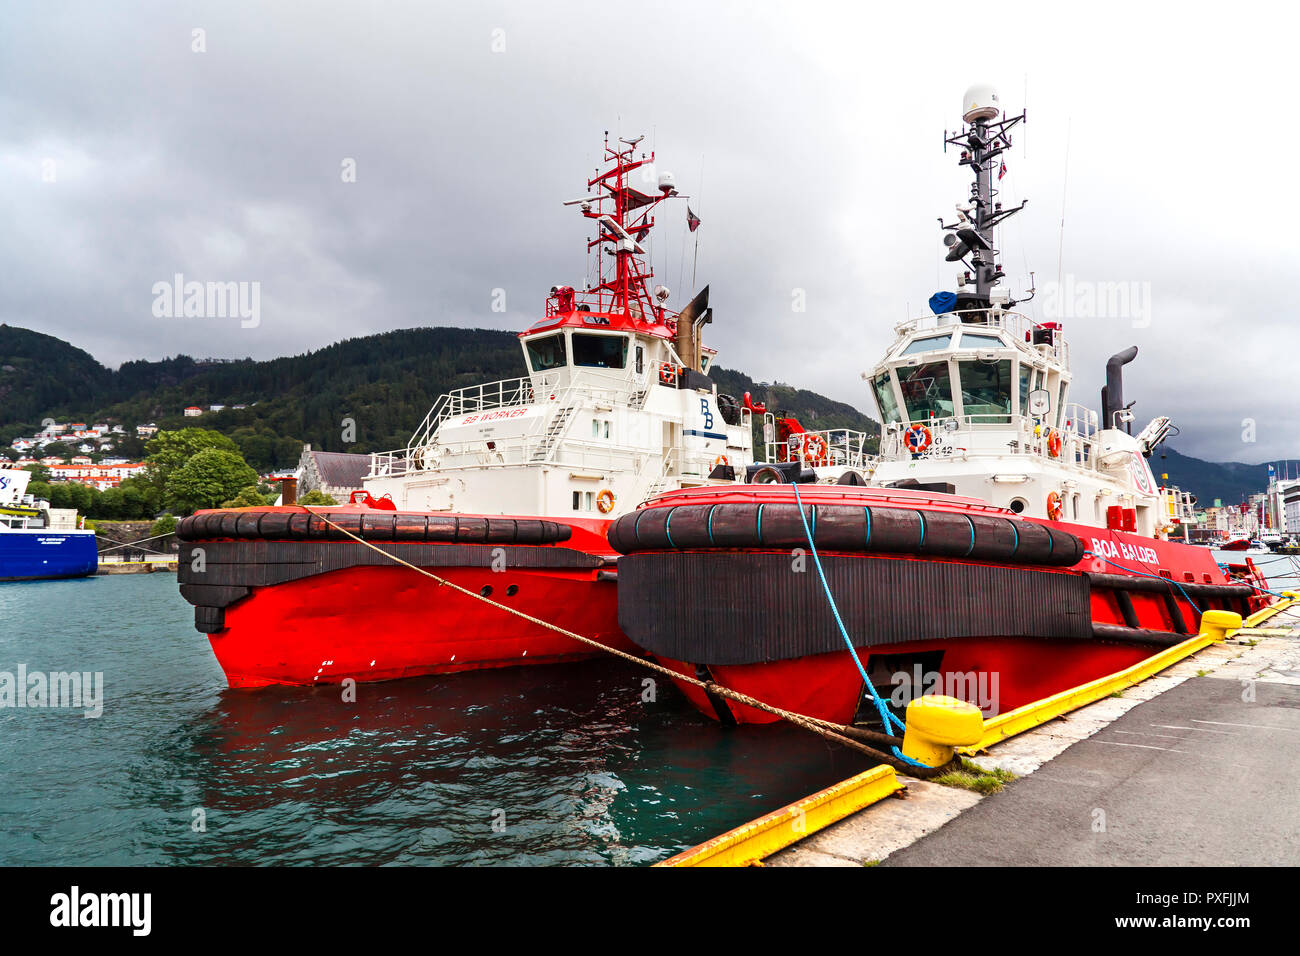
[72, 494]
[208, 478]
[171, 450]
[141, 497]
[316, 497]
[249, 497]
[39, 473]
[164, 525]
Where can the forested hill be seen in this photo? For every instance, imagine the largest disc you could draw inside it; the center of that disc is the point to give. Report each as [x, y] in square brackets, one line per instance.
[384, 383]
[1231, 482]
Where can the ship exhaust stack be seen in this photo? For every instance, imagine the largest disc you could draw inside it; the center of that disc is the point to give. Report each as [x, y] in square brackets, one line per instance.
[1112, 394]
[687, 340]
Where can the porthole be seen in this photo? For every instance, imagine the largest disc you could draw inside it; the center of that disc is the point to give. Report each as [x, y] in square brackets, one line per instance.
[486, 591]
[1018, 505]
[512, 590]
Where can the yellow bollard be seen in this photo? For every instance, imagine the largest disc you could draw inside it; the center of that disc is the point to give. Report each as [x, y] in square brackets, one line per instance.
[1217, 624]
[937, 724]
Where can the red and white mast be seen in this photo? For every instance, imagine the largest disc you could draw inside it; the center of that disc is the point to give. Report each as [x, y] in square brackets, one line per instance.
[624, 217]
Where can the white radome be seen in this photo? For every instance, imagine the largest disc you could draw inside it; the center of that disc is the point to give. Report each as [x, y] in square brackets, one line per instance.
[980, 102]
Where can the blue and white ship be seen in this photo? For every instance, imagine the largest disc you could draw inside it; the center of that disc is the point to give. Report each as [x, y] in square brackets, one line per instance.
[37, 541]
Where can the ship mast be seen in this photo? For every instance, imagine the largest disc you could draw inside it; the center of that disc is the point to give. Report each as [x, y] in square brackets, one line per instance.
[623, 217]
[970, 239]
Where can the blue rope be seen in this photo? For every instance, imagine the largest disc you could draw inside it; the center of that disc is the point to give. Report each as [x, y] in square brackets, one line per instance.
[1224, 568]
[1146, 575]
[888, 719]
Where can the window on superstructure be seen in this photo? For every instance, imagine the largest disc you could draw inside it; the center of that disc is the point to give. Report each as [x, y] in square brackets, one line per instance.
[932, 343]
[885, 397]
[927, 391]
[986, 391]
[546, 352]
[1026, 376]
[599, 351]
[975, 340]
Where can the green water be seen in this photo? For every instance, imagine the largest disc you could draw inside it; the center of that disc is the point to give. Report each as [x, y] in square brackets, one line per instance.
[550, 765]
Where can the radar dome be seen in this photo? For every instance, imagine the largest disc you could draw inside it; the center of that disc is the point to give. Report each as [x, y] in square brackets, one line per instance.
[980, 103]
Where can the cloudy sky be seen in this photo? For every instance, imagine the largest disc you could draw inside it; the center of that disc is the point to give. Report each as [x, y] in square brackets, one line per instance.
[808, 135]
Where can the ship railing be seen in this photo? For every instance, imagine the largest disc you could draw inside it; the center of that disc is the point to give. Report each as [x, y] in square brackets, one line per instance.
[510, 393]
[605, 303]
[969, 436]
[844, 447]
[1020, 326]
[474, 398]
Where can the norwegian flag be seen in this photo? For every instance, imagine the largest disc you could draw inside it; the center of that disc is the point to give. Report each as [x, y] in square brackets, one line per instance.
[1002, 171]
[692, 220]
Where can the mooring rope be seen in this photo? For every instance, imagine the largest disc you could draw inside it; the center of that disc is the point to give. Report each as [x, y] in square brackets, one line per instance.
[837, 733]
[885, 716]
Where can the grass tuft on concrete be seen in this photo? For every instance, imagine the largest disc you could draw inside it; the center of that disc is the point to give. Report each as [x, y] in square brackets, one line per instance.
[971, 776]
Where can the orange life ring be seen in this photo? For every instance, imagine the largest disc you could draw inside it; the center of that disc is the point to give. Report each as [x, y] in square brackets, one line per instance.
[1054, 506]
[1054, 444]
[721, 460]
[605, 501]
[667, 373]
[814, 449]
[917, 438]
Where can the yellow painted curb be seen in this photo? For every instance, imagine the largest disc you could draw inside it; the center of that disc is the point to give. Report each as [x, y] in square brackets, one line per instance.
[1032, 715]
[1263, 614]
[760, 838]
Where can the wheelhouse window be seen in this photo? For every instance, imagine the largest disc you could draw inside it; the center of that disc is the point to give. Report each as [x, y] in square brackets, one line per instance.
[1026, 377]
[986, 391]
[927, 391]
[931, 343]
[976, 340]
[599, 351]
[885, 397]
[546, 352]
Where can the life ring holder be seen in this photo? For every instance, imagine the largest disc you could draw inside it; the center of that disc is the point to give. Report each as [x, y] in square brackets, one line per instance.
[815, 450]
[605, 501]
[917, 438]
[668, 373]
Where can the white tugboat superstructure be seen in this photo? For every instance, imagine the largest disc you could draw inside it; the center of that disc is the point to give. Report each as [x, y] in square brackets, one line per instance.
[975, 398]
[617, 404]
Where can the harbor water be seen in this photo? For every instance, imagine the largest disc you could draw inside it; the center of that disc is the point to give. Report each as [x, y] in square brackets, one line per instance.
[565, 764]
[570, 764]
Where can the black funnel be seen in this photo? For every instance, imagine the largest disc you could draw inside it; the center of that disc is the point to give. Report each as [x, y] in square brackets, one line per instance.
[1112, 396]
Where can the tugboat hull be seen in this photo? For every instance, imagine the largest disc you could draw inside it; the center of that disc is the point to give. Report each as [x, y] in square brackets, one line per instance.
[954, 597]
[286, 598]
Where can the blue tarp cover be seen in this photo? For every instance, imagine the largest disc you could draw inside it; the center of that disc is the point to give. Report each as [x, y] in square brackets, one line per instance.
[942, 302]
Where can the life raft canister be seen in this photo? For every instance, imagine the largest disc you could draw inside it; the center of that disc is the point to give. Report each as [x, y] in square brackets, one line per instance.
[917, 438]
[1054, 506]
[605, 501]
[1054, 443]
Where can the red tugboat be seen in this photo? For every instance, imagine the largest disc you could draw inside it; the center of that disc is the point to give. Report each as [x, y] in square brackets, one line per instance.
[505, 489]
[1008, 545]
